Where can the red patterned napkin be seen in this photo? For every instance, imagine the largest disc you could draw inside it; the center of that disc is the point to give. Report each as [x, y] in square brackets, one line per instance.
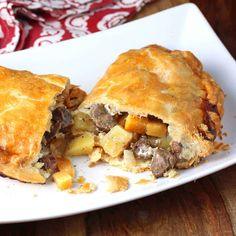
[32, 23]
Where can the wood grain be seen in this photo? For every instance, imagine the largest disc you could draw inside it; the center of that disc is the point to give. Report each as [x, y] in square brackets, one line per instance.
[156, 6]
[221, 14]
[204, 207]
[225, 183]
[193, 209]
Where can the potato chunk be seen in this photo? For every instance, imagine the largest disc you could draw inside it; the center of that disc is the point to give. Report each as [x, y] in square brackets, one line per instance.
[156, 128]
[82, 122]
[136, 124]
[129, 158]
[82, 145]
[115, 141]
[63, 180]
[65, 165]
[95, 156]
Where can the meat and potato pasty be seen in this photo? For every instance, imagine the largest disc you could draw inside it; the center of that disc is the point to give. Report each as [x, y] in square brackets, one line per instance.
[35, 122]
[154, 109]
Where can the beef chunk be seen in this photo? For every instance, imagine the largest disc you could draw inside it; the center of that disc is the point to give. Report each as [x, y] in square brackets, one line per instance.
[62, 115]
[154, 141]
[49, 136]
[101, 117]
[61, 120]
[209, 107]
[75, 97]
[50, 163]
[142, 148]
[162, 161]
[176, 148]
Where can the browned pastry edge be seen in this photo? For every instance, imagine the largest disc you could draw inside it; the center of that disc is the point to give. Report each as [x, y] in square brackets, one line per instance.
[169, 85]
[25, 102]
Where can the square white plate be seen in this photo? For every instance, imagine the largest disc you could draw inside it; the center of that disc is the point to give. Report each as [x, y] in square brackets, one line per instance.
[85, 60]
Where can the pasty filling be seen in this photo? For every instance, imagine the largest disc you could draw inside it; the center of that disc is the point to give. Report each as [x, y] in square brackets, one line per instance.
[54, 141]
[119, 134]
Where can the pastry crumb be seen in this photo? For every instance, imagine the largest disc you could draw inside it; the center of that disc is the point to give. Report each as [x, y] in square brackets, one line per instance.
[117, 183]
[152, 177]
[71, 191]
[35, 195]
[224, 134]
[145, 181]
[86, 188]
[172, 173]
[80, 180]
[218, 146]
[95, 156]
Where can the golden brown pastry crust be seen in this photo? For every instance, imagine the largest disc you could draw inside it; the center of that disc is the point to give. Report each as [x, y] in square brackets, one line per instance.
[25, 101]
[170, 85]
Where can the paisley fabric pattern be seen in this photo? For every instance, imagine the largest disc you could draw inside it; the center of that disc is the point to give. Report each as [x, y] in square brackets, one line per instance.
[33, 23]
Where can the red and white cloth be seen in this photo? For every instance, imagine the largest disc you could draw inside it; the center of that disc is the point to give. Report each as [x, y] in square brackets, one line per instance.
[32, 23]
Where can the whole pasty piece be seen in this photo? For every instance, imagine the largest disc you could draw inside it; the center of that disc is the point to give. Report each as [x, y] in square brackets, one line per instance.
[35, 122]
[155, 109]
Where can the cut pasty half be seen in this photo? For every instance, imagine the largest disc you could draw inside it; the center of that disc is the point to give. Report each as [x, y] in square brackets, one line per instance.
[154, 109]
[35, 123]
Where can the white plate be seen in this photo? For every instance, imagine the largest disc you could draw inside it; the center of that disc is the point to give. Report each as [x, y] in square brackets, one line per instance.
[85, 60]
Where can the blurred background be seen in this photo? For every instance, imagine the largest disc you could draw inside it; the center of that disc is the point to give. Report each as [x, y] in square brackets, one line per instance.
[221, 14]
[33, 23]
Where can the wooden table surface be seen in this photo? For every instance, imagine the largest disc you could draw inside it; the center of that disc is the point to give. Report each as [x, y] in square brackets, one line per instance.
[204, 207]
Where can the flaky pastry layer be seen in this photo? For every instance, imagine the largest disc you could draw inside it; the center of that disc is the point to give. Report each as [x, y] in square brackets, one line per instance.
[25, 102]
[171, 86]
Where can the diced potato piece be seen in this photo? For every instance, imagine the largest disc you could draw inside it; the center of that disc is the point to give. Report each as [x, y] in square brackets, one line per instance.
[82, 122]
[129, 159]
[65, 165]
[63, 180]
[96, 155]
[136, 124]
[115, 141]
[82, 145]
[156, 128]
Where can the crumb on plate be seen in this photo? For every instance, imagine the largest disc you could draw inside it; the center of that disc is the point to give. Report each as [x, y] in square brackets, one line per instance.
[218, 146]
[116, 183]
[145, 181]
[86, 188]
[172, 173]
[71, 191]
[224, 134]
[80, 180]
